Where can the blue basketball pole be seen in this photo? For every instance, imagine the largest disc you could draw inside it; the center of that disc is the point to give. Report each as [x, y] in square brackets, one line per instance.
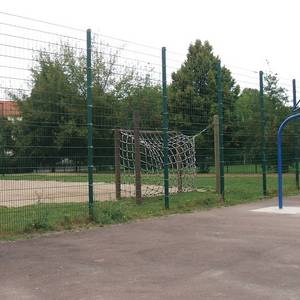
[279, 155]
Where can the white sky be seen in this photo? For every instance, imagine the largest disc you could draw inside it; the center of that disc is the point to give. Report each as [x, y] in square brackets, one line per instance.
[245, 33]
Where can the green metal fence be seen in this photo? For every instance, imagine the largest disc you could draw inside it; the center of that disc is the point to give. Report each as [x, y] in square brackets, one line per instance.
[89, 120]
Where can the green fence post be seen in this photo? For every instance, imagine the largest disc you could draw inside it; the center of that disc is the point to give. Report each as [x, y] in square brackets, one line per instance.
[297, 136]
[90, 121]
[221, 129]
[165, 128]
[263, 133]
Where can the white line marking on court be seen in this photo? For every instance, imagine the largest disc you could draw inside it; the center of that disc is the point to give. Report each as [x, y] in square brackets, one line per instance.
[290, 210]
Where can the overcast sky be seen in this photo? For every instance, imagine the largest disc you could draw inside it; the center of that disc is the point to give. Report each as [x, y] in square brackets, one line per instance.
[243, 33]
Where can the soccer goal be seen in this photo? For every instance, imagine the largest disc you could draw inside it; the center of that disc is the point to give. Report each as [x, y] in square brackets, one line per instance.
[139, 162]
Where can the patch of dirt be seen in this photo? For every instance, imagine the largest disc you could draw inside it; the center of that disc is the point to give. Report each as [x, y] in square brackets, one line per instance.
[16, 193]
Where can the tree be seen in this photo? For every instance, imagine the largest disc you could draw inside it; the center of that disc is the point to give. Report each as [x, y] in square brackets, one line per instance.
[277, 110]
[115, 99]
[248, 134]
[54, 122]
[50, 105]
[144, 98]
[53, 128]
[7, 154]
[193, 97]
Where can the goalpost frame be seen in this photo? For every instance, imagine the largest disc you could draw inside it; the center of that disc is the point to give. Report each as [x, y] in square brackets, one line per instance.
[137, 156]
[137, 161]
[117, 164]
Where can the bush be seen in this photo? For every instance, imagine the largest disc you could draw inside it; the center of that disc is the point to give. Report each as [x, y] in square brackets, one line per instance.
[110, 215]
[40, 223]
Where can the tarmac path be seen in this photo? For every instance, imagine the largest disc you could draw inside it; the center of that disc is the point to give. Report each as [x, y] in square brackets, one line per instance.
[224, 253]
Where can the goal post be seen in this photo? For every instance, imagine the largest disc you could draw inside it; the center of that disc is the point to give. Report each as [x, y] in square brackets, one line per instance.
[137, 156]
[117, 163]
[139, 160]
[179, 171]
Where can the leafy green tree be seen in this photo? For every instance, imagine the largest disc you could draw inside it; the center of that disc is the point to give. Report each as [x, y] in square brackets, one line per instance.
[117, 93]
[193, 98]
[7, 154]
[53, 128]
[54, 122]
[147, 101]
[45, 110]
[277, 109]
[248, 135]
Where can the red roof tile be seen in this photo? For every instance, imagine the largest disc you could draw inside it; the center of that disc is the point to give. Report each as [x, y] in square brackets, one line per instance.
[9, 109]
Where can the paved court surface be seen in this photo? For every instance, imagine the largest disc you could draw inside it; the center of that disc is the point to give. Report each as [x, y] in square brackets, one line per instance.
[228, 253]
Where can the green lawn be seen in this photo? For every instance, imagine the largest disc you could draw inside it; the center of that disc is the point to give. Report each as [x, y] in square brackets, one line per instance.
[247, 169]
[245, 188]
[156, 179]
[239, 169]
[45, 217]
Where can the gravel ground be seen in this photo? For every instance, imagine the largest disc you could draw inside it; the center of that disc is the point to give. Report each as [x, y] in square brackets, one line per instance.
[16, 193]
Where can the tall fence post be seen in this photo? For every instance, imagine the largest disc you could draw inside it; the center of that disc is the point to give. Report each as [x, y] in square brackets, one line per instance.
[137, 160]
[90, 121]
[165, 129]
[221, 128]
[216, 125]
[263, 132]
[117, 164]
[297, 136]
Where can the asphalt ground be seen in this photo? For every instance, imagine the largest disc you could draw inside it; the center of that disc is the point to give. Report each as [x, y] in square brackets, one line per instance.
[223, 253]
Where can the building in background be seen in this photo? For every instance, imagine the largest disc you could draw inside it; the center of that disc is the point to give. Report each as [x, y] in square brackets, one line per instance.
[9, 109]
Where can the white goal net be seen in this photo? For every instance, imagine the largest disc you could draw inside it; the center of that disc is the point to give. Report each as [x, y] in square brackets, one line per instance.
[181, 161]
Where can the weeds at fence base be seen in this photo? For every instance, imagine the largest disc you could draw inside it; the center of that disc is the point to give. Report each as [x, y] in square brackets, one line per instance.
[65, 216]
[41, 223]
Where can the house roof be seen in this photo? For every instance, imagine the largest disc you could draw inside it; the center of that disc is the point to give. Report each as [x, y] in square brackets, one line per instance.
[9, 109]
